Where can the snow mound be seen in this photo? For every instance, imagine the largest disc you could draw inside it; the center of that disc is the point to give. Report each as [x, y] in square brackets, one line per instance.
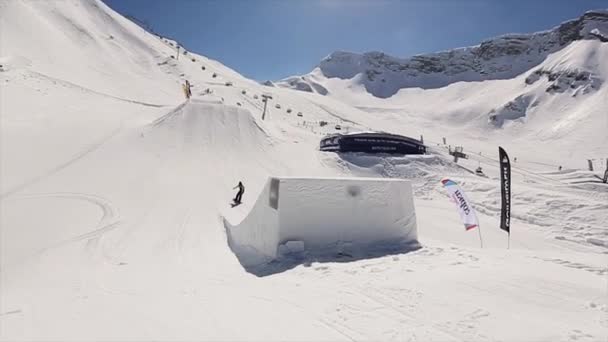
[203, 124]
[325, 216]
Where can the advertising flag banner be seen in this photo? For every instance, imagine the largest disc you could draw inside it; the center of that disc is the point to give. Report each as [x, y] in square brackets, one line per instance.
[505, 190]
[466, 211]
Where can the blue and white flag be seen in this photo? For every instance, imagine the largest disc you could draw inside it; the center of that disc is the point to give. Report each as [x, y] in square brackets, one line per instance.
[466, 211]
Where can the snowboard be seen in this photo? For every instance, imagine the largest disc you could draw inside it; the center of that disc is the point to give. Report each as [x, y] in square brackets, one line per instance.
[234, 204]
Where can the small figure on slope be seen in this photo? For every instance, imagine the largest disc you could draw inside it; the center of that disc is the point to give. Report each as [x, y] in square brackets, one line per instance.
[239, 195]
[189, 89]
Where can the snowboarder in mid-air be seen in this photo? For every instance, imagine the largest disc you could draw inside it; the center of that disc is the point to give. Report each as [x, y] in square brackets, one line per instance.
[239, 195]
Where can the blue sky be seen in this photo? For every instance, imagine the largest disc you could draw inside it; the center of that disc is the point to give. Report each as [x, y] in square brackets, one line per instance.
[272, 39]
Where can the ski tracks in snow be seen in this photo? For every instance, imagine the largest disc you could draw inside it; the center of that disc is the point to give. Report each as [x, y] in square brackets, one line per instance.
[601, 271]
[376, 311]
[69, 84]
[91, 148]
[108, 221]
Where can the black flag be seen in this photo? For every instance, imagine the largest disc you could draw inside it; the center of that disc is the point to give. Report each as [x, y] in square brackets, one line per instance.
[505, 190]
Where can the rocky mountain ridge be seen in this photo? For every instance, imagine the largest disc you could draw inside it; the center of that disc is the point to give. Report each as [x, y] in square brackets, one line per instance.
[502, 57]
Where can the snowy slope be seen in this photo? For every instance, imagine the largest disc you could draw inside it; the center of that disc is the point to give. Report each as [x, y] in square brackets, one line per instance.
[546, 109]
[113, 188]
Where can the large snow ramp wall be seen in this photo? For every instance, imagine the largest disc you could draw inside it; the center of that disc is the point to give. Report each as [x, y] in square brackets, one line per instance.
[324, 214]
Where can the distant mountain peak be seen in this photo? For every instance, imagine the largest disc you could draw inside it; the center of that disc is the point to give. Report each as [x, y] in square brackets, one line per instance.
[502, 57]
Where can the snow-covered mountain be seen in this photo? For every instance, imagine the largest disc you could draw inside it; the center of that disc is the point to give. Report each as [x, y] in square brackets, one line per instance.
[548, 87]
[499, 58]
[114, 187]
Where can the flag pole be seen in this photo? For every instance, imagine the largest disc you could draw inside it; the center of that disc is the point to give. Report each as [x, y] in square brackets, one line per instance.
[480, 240]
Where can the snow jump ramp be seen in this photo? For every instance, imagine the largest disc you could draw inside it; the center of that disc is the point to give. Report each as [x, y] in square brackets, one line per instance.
[323, 217]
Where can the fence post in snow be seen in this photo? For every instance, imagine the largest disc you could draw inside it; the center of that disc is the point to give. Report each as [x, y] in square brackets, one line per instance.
[421, 139]
[590, 162]
[444, 141]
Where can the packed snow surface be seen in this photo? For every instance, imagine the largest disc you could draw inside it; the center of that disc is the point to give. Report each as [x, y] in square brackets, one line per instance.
[114, 189]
